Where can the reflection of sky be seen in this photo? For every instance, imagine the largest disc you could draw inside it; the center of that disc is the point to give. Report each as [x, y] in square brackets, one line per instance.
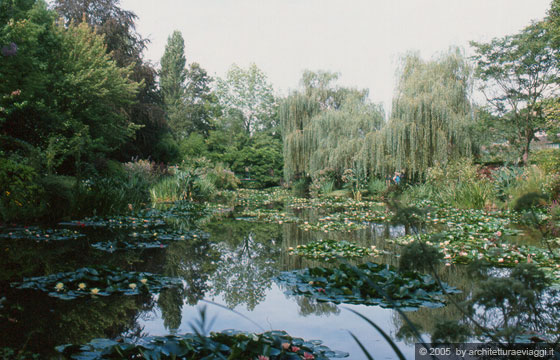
[277, 312]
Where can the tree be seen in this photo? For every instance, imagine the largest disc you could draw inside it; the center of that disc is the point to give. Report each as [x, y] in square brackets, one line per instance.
[338, 128]
[68, 98]
[172, 81]
[108, 19]
[519, 72]
[125, 46]
[318, 85]
[326, 126]
[432, 116]
[247, 92]
[201, 102]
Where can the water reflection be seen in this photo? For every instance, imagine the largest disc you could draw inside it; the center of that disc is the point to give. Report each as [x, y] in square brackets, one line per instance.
[248, 261]
[310, 306]
[235, 268]
[512, 308]
[36, 322]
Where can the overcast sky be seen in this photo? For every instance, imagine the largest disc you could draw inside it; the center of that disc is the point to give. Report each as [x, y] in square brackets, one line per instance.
[361, 39]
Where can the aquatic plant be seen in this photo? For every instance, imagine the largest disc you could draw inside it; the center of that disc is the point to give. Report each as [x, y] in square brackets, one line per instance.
[346, 284]
[101, 281]
[228, 344]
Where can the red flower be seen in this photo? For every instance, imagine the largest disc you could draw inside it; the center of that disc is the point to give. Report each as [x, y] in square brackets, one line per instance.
[308, 356]
[295, 349]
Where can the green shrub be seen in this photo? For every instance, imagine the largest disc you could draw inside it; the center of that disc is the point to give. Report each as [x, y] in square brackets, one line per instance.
[166, 190]
[193, 146]
[166, 150]
[111, 196]
[300, 187]
[20, 192]
[504, 178]
[59, 196]
[113, 169]
[323, 182]
[204, 189]
[470, 195]
[548, 160]
[419, 192]
[533, 181]
[222, 177]
[458, 184]
[147, 170]
[376, 187]
[327, 187]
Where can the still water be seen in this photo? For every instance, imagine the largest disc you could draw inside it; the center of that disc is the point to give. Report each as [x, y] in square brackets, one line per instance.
[235, 268]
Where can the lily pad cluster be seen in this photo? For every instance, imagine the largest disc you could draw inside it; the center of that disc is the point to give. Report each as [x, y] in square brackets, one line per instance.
[38, 234]
[117, 222]
[331, 249]
[259, 199]
[492, 250]
[149, 239]
[102, 282]
[145, 219]
[166, 235]
[230, 344]
[470, 235]
[345, 221]
[112, 246]
[351, 284]
[340, 214]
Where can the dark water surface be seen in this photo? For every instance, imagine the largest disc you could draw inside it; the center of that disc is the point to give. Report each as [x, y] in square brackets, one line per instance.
[234, 268]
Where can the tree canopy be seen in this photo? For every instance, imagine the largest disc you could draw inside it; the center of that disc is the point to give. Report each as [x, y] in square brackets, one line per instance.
[249, 94]
[325, 126]
[67, 97]
[518, 72]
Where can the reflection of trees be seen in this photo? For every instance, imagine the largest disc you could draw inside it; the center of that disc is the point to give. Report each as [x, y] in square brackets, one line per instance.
[372, 235]
[508, 306]
[310, 306]
[248, 261]
[170, 302]
[518, 304]
[193, 261]
[40, 323]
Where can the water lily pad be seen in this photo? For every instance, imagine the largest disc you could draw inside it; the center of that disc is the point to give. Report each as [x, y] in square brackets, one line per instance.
[348, 284]
[97, 282]
[38, 234]
[244, 345]
[331, 249]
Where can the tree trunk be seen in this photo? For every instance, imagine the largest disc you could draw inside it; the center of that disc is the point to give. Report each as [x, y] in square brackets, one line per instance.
[526, 148]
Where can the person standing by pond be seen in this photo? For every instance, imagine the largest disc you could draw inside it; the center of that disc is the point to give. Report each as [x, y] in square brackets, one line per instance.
[397, 178]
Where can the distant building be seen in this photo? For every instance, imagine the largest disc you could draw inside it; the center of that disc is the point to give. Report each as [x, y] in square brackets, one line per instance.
[545, 142]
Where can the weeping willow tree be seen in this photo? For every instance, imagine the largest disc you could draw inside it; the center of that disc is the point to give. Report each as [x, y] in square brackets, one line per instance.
[325, 127]
[338, 136]
[295, 115]
[432, 114]
[431, 122]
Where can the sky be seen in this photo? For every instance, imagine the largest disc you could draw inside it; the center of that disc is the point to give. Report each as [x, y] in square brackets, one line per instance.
[363, 40]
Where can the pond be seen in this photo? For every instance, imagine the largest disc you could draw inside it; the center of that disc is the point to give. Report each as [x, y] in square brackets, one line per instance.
[228, 261]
